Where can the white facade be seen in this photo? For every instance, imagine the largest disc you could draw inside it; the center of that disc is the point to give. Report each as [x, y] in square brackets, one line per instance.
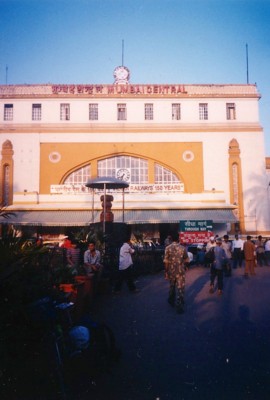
[208, 180]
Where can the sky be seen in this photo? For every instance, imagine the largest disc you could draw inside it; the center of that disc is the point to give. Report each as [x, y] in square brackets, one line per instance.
[165, 41]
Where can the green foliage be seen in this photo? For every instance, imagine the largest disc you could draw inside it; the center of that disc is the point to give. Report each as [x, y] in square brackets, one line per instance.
[23, 277]
[16, 252]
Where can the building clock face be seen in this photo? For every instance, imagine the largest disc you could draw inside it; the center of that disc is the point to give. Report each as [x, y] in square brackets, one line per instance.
[121, 74]
[123, 174]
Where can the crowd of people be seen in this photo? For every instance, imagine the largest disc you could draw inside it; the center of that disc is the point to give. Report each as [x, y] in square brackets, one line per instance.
[239, 252]
[88, 261]
[219, 254]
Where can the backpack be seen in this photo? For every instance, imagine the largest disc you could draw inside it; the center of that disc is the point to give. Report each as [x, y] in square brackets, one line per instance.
[210, 255]
[103, 346]
[95, 353]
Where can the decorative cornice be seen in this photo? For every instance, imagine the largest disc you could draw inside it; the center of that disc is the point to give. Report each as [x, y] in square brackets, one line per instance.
[128, 91]
[128, 128]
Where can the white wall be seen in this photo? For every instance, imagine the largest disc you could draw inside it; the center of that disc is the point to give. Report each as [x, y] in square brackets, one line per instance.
[246, 110]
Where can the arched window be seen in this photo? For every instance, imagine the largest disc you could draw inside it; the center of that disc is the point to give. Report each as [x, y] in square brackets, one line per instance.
[6, 173]
[131, 169]
[235, 183]
[79, 177]
[6, 185]
[134, 170]
[164, 175]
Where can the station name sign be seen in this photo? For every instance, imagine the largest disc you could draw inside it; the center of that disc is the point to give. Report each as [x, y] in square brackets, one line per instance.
[116, 90]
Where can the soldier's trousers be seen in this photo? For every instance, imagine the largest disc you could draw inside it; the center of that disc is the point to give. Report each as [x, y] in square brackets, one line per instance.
[177, 289]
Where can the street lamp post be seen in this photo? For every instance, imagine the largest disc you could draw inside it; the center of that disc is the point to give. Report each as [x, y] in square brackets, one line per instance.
[107, 183]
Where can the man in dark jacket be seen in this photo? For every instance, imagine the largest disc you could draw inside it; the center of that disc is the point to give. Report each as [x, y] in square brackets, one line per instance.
[217, 266]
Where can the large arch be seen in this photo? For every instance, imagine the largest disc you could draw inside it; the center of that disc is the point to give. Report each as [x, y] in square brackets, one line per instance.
[134, 169]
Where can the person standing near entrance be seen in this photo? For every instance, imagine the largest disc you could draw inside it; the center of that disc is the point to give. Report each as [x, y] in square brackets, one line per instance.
[168, 240]
[249, 254]
[227, 246]
[217, 267]
[267, 252]
[125, 272]
[237, 250]
[73, 257]
[260, 251]
[174, 261]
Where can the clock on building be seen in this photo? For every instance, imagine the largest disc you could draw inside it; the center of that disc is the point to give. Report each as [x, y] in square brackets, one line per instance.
[123, 174]
[121, 75]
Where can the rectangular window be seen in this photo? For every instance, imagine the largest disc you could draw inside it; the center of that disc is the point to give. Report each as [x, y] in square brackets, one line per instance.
[121, 112]
[36, 112]
[65, 112]
[203, 111]
[93, 112]
[176, 112]
[148, 111]
[230, 111]
[8, 112]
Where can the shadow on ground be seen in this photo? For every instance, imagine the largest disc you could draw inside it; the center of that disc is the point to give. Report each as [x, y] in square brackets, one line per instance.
[218, 349]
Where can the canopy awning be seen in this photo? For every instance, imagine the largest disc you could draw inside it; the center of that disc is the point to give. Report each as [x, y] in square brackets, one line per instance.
[106, 182]
[86, 217]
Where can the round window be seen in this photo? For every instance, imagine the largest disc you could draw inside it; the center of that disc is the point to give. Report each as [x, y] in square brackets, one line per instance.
[54, 157]
[188, 156]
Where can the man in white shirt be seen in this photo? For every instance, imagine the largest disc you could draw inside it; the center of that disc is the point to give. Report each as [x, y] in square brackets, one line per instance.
[125, 272]
[237, 251]
[210, 243]
[267, 252]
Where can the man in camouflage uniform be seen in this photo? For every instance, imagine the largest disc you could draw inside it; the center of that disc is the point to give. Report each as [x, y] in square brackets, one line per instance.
[175, 259]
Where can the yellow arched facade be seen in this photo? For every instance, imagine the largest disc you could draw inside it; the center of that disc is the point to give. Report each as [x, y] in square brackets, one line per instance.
[170, 155]
[80, 175]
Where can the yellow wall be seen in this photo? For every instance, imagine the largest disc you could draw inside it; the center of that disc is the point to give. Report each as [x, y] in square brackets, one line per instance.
[75, 155]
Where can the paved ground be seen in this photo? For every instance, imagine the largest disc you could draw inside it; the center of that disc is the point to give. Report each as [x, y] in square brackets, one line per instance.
[219, 349]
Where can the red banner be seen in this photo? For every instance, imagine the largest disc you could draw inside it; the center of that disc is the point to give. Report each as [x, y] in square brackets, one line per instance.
[195, 237]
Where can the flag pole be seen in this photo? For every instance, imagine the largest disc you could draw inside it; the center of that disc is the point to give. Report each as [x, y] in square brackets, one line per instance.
[122, 52]
[247, 63]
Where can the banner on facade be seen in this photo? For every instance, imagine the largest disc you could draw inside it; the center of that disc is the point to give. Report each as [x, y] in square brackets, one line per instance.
[195, 237]
[69, 189]
[116, 90]
[140, 188]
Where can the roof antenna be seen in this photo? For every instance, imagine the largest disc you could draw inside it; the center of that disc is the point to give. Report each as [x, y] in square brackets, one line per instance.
[247, 62]
[122, 52]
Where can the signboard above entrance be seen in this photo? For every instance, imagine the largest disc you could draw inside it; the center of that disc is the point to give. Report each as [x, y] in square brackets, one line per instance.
[192, 231]
[196, 226]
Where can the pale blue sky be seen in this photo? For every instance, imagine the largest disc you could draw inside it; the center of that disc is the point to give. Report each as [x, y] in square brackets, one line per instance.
[166, 41]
